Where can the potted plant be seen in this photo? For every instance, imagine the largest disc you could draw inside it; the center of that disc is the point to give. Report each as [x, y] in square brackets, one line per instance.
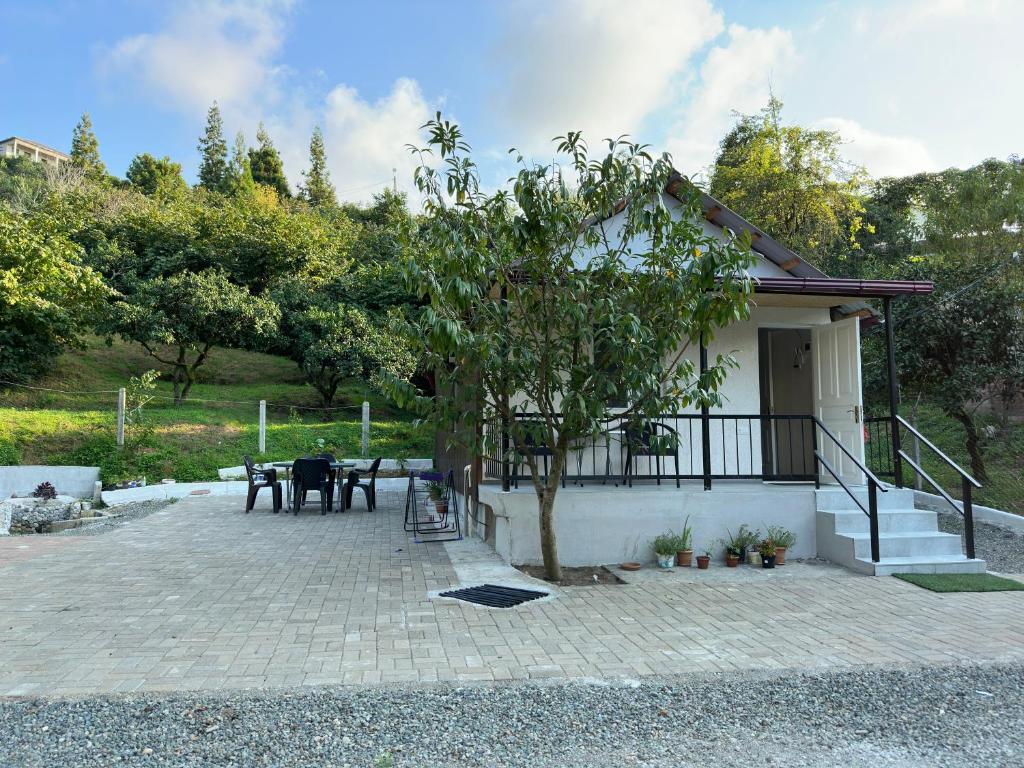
[767, 552]
[665, 549]
[703, 561]
[784, 539]
[747, 541]
[435, 491]
[732, 556]
[684, 547]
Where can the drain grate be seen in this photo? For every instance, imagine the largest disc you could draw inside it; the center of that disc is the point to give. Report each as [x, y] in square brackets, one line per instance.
[494, 596]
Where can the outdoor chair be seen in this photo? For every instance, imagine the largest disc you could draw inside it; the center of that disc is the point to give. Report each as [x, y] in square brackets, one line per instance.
[369, 487]
[261, 478]
[312, 475]
[651, 439]
[539, 449]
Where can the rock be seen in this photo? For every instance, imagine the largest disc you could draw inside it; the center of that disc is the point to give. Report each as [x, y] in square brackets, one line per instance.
[27, 513]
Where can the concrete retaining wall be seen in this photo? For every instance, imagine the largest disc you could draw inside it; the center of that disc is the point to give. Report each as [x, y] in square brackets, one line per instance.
[77, 482]
[600, 524]
[926, 500]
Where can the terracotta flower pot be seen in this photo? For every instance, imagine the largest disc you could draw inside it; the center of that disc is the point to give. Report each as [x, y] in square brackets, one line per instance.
[731, 561]
[441, 506]
[684, 558]
[780, 555]
[703, 561]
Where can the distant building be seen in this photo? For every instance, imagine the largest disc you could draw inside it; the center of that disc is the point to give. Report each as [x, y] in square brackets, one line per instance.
[17, 147]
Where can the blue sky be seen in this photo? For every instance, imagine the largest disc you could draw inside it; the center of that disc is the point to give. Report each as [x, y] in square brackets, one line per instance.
[915, 85]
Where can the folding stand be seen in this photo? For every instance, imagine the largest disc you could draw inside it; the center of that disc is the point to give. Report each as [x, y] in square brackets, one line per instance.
[424, 516]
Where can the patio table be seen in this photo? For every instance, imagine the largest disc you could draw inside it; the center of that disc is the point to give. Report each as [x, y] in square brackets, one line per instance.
[337, 466]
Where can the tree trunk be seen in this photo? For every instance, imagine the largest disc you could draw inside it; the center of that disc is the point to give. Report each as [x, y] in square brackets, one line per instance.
[548, 541]
[973, 444]
[180, 369]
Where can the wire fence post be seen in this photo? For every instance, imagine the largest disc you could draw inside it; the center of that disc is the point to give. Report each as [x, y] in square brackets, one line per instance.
[366, 430]
[263, 426]
[121, 397]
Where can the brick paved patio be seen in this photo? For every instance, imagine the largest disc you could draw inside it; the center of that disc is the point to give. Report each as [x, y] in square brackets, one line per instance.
[201, 595]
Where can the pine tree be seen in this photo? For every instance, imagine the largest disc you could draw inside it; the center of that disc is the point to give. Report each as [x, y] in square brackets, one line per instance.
[85, 150]
[318, 190]
[265, 163]
[213, 170]
[239, 171]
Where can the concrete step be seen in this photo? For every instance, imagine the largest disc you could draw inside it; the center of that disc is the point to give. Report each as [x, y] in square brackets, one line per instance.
[834, 497]
[907, 544]
[890, 520]
[887, 566]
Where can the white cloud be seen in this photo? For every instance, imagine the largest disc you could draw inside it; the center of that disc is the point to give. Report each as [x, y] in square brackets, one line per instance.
[734, 77]
[882, 155]
[600, 66]
[222, 50]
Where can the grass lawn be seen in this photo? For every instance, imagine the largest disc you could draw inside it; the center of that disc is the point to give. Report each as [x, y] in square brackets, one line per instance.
[961, 582]
[214, 428]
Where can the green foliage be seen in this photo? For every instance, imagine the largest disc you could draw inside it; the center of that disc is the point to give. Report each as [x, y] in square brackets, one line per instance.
[156, 177]
[138, 394]
[192, 312]
[22, 182]
[793, 183]
[648, 286]
[332, 342]
[267, 167]
[47, 298]
[213, 167]
[85, 150]
[782, 537]
[665, 544]
[317, 189]
[961, 582]
[240, 181]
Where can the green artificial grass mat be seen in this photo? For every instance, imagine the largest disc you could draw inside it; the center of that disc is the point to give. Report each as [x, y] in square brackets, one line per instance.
[961, 582]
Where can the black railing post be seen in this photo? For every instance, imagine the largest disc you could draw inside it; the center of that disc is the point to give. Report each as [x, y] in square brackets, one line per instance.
[506, 471]
[968, 518]
[894, 393]
[705, 419]
[873, 519]
[814, 447]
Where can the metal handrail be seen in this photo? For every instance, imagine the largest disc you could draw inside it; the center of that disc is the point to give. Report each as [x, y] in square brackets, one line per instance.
[870, 475]
[839, 480]
[960, 470]
[966, 484]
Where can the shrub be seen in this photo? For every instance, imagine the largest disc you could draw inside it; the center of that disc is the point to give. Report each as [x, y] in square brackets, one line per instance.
[45, 491]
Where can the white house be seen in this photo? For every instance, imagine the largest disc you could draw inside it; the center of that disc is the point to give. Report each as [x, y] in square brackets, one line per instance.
[787, 448]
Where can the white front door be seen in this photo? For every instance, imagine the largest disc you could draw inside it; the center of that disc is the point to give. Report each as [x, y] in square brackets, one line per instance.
[837, 396]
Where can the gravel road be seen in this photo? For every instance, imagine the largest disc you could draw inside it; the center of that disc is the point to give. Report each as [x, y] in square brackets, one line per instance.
[868, 718]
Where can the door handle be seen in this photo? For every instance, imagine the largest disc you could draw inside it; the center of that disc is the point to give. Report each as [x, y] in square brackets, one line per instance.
[856, 414]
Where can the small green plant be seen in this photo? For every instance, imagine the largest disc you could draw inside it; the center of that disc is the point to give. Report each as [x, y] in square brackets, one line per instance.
[767, 548]
[434, 489]
[746, 538]
[384, 761]
[665, 544]
[781, 536]
[139, 394]
[684, 541]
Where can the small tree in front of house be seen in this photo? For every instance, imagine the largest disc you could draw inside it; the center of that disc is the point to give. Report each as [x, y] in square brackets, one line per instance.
[523, 284]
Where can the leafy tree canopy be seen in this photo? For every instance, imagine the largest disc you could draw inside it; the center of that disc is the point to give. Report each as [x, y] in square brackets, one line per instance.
[317, 189]
[47, 297]
[646, 286]
[85, 150]
[793, 183]
[213, 149]
[156, 177]
[267, 167]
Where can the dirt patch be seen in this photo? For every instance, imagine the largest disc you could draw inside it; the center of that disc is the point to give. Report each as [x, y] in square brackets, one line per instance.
[586, 576]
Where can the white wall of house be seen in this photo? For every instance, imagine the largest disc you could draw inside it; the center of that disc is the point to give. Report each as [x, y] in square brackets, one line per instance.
[599, 524]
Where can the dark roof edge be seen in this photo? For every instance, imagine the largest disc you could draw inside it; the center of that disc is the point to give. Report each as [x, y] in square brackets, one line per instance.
[830, 286]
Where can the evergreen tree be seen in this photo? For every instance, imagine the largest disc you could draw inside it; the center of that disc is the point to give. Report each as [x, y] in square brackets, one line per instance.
[265, 163]
[239, 170]
[213, 170]
[318, 190]
[85, 150]
[156, 177]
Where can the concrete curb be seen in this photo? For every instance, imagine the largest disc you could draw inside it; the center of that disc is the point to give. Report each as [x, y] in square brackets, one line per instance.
[983, 514]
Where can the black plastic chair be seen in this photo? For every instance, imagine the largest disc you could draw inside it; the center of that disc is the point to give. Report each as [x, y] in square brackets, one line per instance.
[312, 475]
[651, 439]
[261, 478]
[369, 487]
